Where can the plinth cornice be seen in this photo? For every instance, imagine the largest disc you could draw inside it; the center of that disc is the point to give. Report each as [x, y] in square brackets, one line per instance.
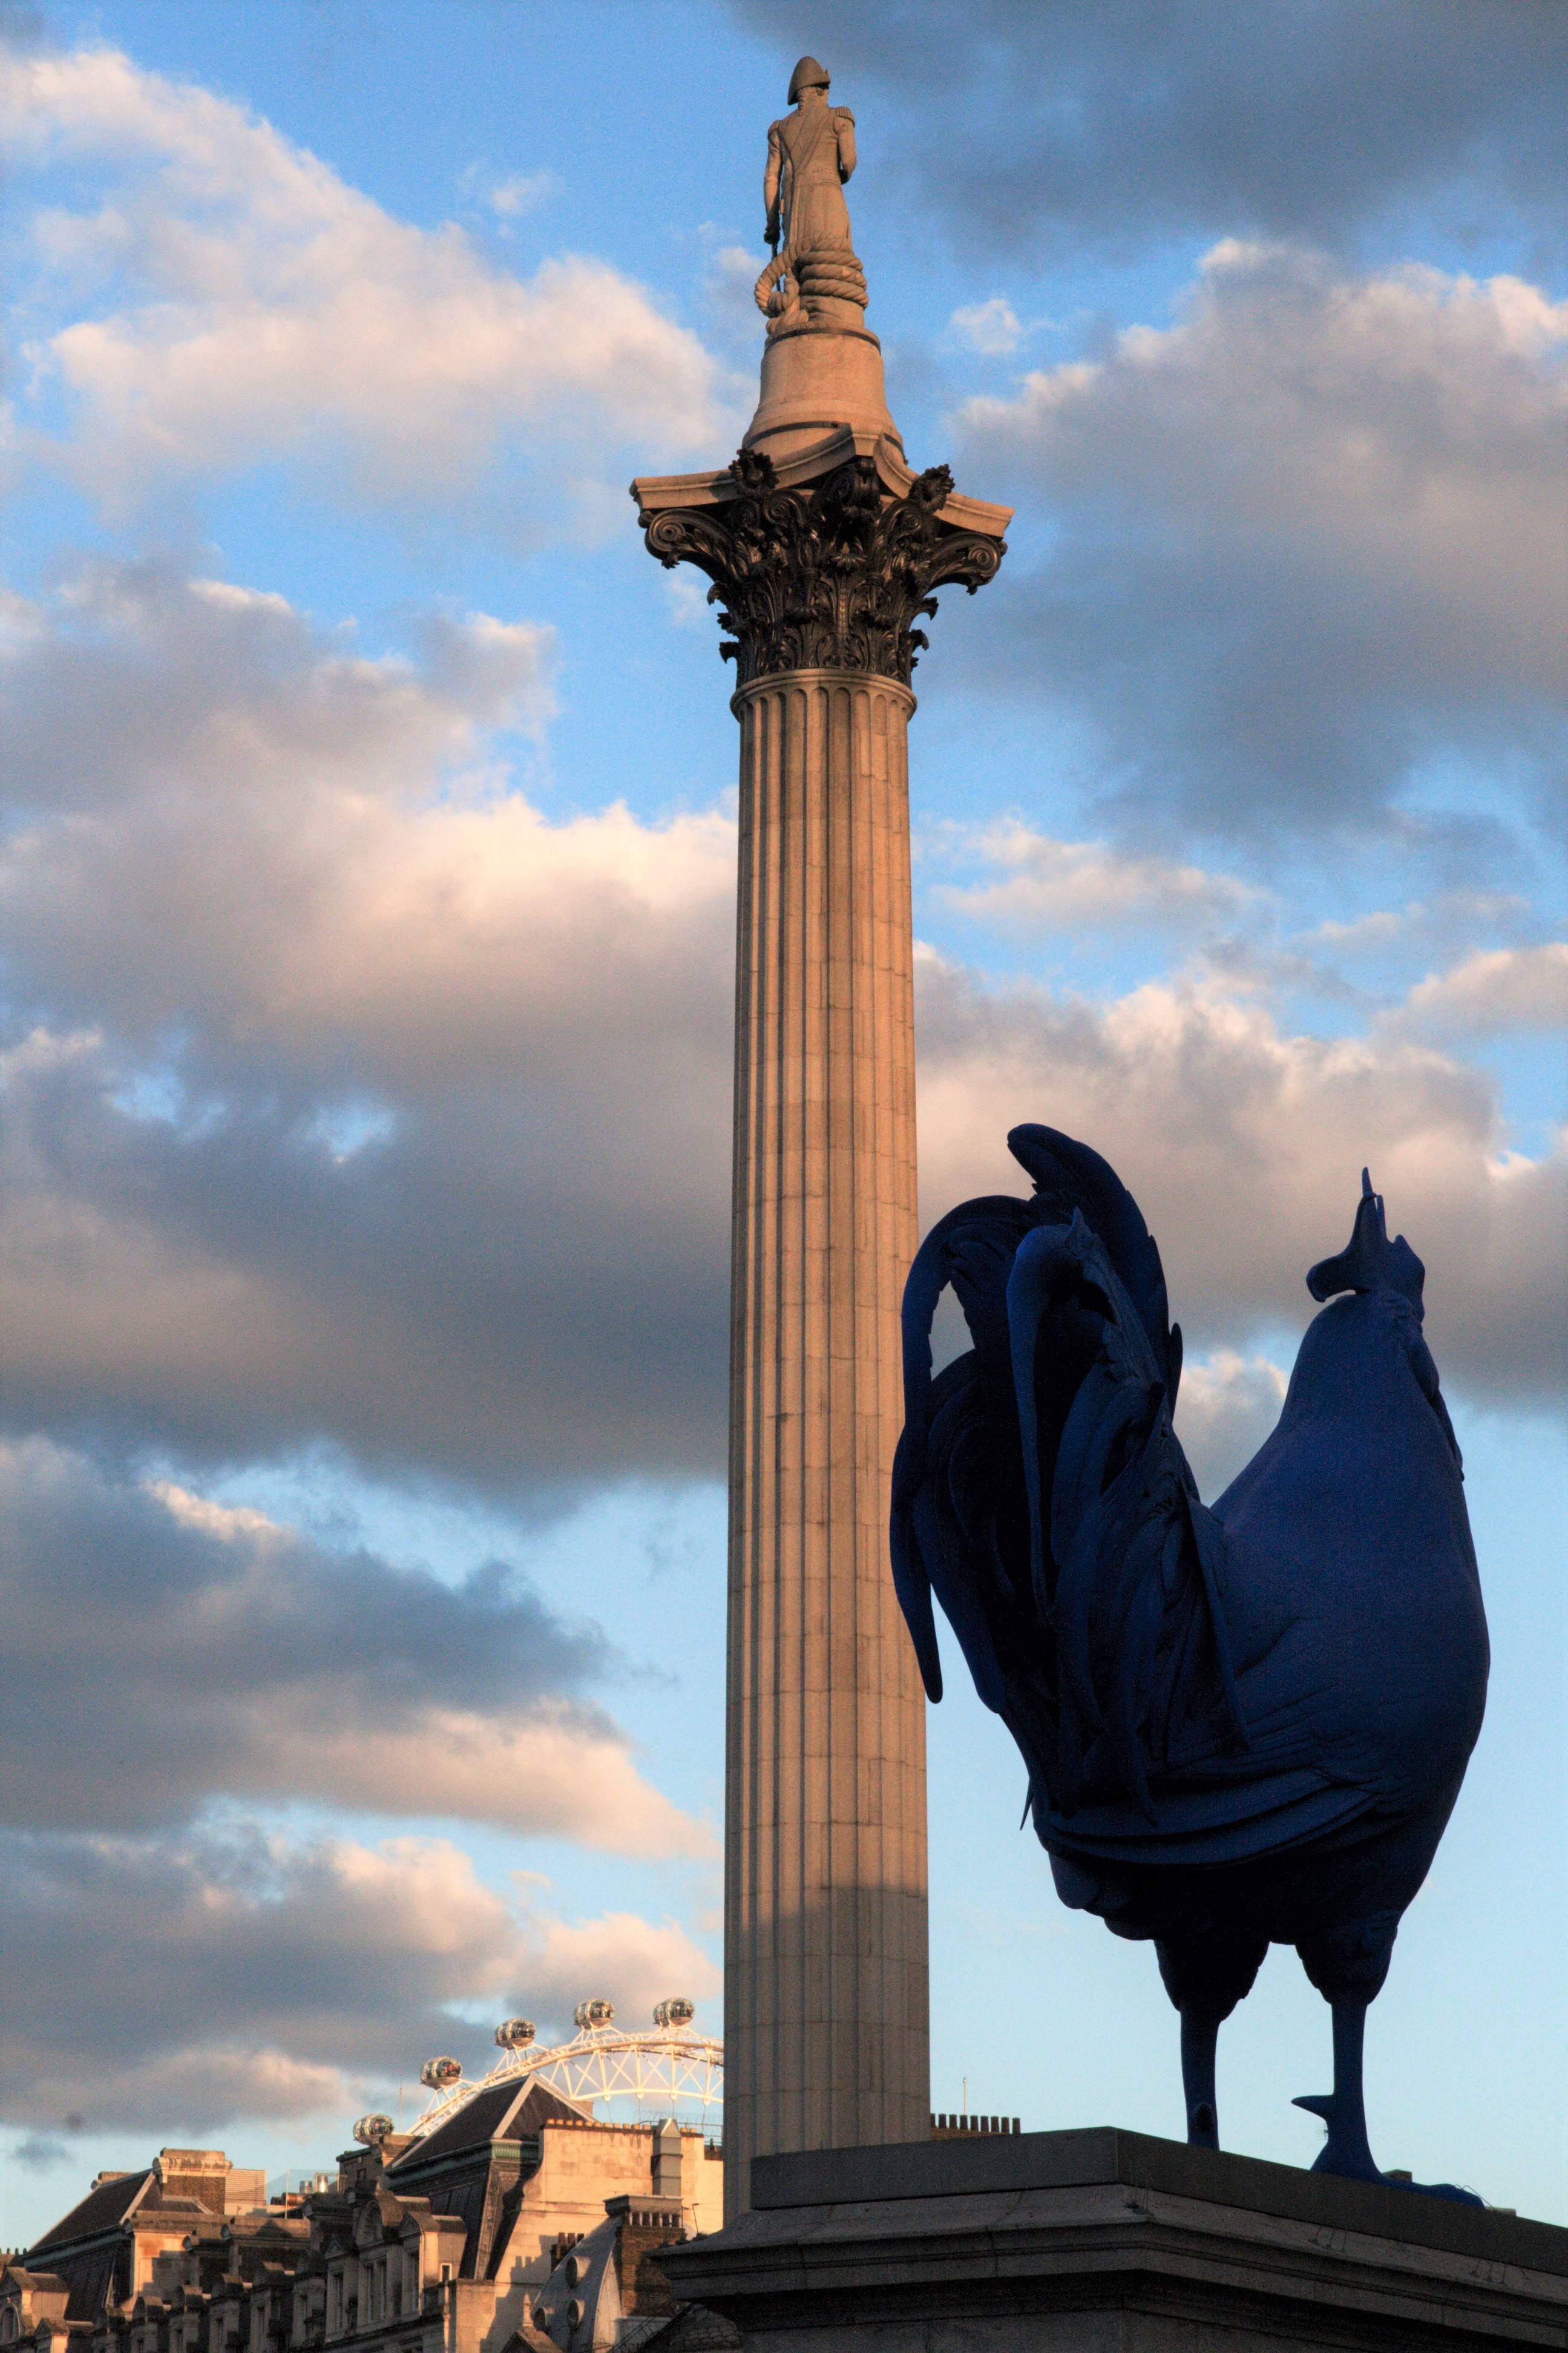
[826, 561]
[1104, 2237]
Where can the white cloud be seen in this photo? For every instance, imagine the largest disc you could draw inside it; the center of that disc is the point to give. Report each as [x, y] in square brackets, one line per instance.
[551, 1777]
[512, 197]
[1244, 1143]
[21, 619]
[688, 601]
[637, 1962]
[729, 284]
[231, 301]
[363, 876]
[992, 328]
[1498, 990]
[1226, 1408]
[1087, 885]
[262, 1977]
[523, 192]
[733, 269]
[229, 1521]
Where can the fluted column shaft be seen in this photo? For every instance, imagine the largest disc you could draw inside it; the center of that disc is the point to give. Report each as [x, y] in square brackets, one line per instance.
[822, 566]
[825, 2002]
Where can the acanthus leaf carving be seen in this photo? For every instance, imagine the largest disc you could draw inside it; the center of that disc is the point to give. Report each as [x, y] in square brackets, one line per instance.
[831, 575]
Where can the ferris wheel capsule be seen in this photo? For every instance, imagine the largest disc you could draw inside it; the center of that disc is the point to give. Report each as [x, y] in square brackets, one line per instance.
[590, 2014]
[514, 2034]
[677, 2011]
[371, 2130]
[440, 2074]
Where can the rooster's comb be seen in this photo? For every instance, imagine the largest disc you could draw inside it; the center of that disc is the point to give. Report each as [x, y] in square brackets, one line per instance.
[1370, 1261]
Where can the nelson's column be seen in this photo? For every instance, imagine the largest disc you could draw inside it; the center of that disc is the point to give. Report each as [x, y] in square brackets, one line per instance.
[824, 549]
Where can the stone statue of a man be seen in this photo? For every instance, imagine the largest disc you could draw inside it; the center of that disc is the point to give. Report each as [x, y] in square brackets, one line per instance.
[811, 153]
[813, 277]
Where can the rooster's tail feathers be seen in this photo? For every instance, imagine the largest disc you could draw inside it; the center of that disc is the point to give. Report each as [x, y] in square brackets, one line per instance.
[1040, 1492]
[1127, 1566]
[1070, 1176]
[944, 1475]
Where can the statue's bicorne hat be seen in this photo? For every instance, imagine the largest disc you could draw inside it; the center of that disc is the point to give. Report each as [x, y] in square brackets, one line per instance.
[807, 75]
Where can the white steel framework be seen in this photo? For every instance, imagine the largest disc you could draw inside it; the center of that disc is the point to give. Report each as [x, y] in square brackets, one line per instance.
[668, 2072]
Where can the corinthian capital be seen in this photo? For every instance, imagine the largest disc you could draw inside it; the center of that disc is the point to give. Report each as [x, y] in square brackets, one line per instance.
[830, 572]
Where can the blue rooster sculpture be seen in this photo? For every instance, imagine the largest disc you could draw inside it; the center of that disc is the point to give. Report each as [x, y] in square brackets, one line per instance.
[1244, 1722]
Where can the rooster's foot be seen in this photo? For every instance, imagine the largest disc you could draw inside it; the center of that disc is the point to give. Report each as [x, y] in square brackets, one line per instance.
[1353, 2160]
[1347, 2150]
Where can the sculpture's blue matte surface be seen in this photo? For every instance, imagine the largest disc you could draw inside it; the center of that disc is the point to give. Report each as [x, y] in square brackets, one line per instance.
[1244, 1723]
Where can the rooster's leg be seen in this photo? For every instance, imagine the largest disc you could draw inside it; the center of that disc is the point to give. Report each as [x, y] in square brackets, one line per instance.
[1200, 2034]
[1346, 2151]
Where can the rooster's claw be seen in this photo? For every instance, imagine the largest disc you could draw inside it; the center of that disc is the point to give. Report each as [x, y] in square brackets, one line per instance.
[1345, 2152]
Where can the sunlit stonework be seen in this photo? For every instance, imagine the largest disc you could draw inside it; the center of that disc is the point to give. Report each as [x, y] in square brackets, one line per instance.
[824, 549]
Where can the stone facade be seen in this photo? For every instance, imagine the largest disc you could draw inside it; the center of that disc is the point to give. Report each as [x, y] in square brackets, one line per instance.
[105, 2253]
[448, 2243]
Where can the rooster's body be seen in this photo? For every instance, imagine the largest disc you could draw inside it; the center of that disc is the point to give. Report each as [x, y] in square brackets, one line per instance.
[1244, 1725]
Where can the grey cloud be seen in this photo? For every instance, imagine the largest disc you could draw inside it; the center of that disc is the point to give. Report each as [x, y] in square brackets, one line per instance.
[162, 1652]
[1306, 540]
[138, 679]
[242, 1976]
[368, 1111]
[281, 924]
[518, 1293]
[1244, 1146]
[1119, 122]
[1382, 965]
[252, 1975]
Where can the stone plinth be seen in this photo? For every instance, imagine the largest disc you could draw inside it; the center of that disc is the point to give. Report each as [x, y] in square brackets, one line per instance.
[816, 380]
[1107, 2242]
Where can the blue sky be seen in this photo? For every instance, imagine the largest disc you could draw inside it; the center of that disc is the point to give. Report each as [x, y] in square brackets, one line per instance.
[369, 867]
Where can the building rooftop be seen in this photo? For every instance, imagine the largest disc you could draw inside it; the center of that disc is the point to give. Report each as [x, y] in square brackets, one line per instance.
[504, 2112]
[104, 2208]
